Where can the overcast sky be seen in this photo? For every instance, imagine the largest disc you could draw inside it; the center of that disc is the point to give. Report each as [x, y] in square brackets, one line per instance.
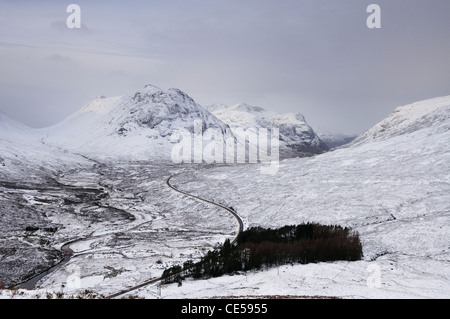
[316, 57]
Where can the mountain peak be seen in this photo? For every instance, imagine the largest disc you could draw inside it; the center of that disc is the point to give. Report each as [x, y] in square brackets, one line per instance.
[143, 94]
[139, 125]
[150, 89]
[244, 107]
[300, 117]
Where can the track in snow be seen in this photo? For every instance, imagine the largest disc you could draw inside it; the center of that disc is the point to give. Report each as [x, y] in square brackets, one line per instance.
[230, 210]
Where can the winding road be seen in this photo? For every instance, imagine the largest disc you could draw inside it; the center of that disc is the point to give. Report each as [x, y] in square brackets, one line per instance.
[69, 253]
[230, 210]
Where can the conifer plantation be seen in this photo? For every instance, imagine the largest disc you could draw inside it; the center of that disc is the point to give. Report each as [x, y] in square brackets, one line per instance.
[258, 248]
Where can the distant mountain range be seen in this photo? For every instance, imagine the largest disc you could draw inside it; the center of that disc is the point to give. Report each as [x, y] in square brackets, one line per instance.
[147, 125]
[137, 126]
[334, 140]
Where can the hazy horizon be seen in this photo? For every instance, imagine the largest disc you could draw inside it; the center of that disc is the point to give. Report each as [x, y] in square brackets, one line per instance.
[317, 58]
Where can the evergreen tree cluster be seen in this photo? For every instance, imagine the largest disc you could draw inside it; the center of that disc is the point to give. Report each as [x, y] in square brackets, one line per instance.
[258, 247]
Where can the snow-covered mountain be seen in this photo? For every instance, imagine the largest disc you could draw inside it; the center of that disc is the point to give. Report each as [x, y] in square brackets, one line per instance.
[432, 113]
[23, 156]
[13, 130]
[392, 186]
[137, 126]
[297, 138]
[10, 131]
[150, 123]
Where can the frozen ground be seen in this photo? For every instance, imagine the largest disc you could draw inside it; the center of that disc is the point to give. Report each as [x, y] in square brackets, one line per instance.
[402, 215]
[128, 231]
[395, 193]
[125, 225]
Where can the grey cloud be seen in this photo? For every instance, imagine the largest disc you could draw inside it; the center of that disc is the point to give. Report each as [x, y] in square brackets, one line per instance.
[61, 26]
[316, 57]
[59, 58]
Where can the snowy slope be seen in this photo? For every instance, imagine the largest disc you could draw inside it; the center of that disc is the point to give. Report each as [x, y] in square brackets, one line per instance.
[23, 156]
[137, 126]
[431, 113]
[7, 124]
[392, 186]
[297, 138]
[13, 130]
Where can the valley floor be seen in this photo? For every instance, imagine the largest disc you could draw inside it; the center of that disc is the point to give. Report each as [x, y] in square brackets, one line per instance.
[396, 197]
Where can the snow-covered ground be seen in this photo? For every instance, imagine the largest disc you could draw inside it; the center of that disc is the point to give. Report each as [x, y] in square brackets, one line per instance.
[131, 235]
[394, 191]
[392, 185]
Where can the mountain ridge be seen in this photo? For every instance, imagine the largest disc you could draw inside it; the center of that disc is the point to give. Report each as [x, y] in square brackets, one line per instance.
[297, 137]
[139, 125]
[430, 113]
